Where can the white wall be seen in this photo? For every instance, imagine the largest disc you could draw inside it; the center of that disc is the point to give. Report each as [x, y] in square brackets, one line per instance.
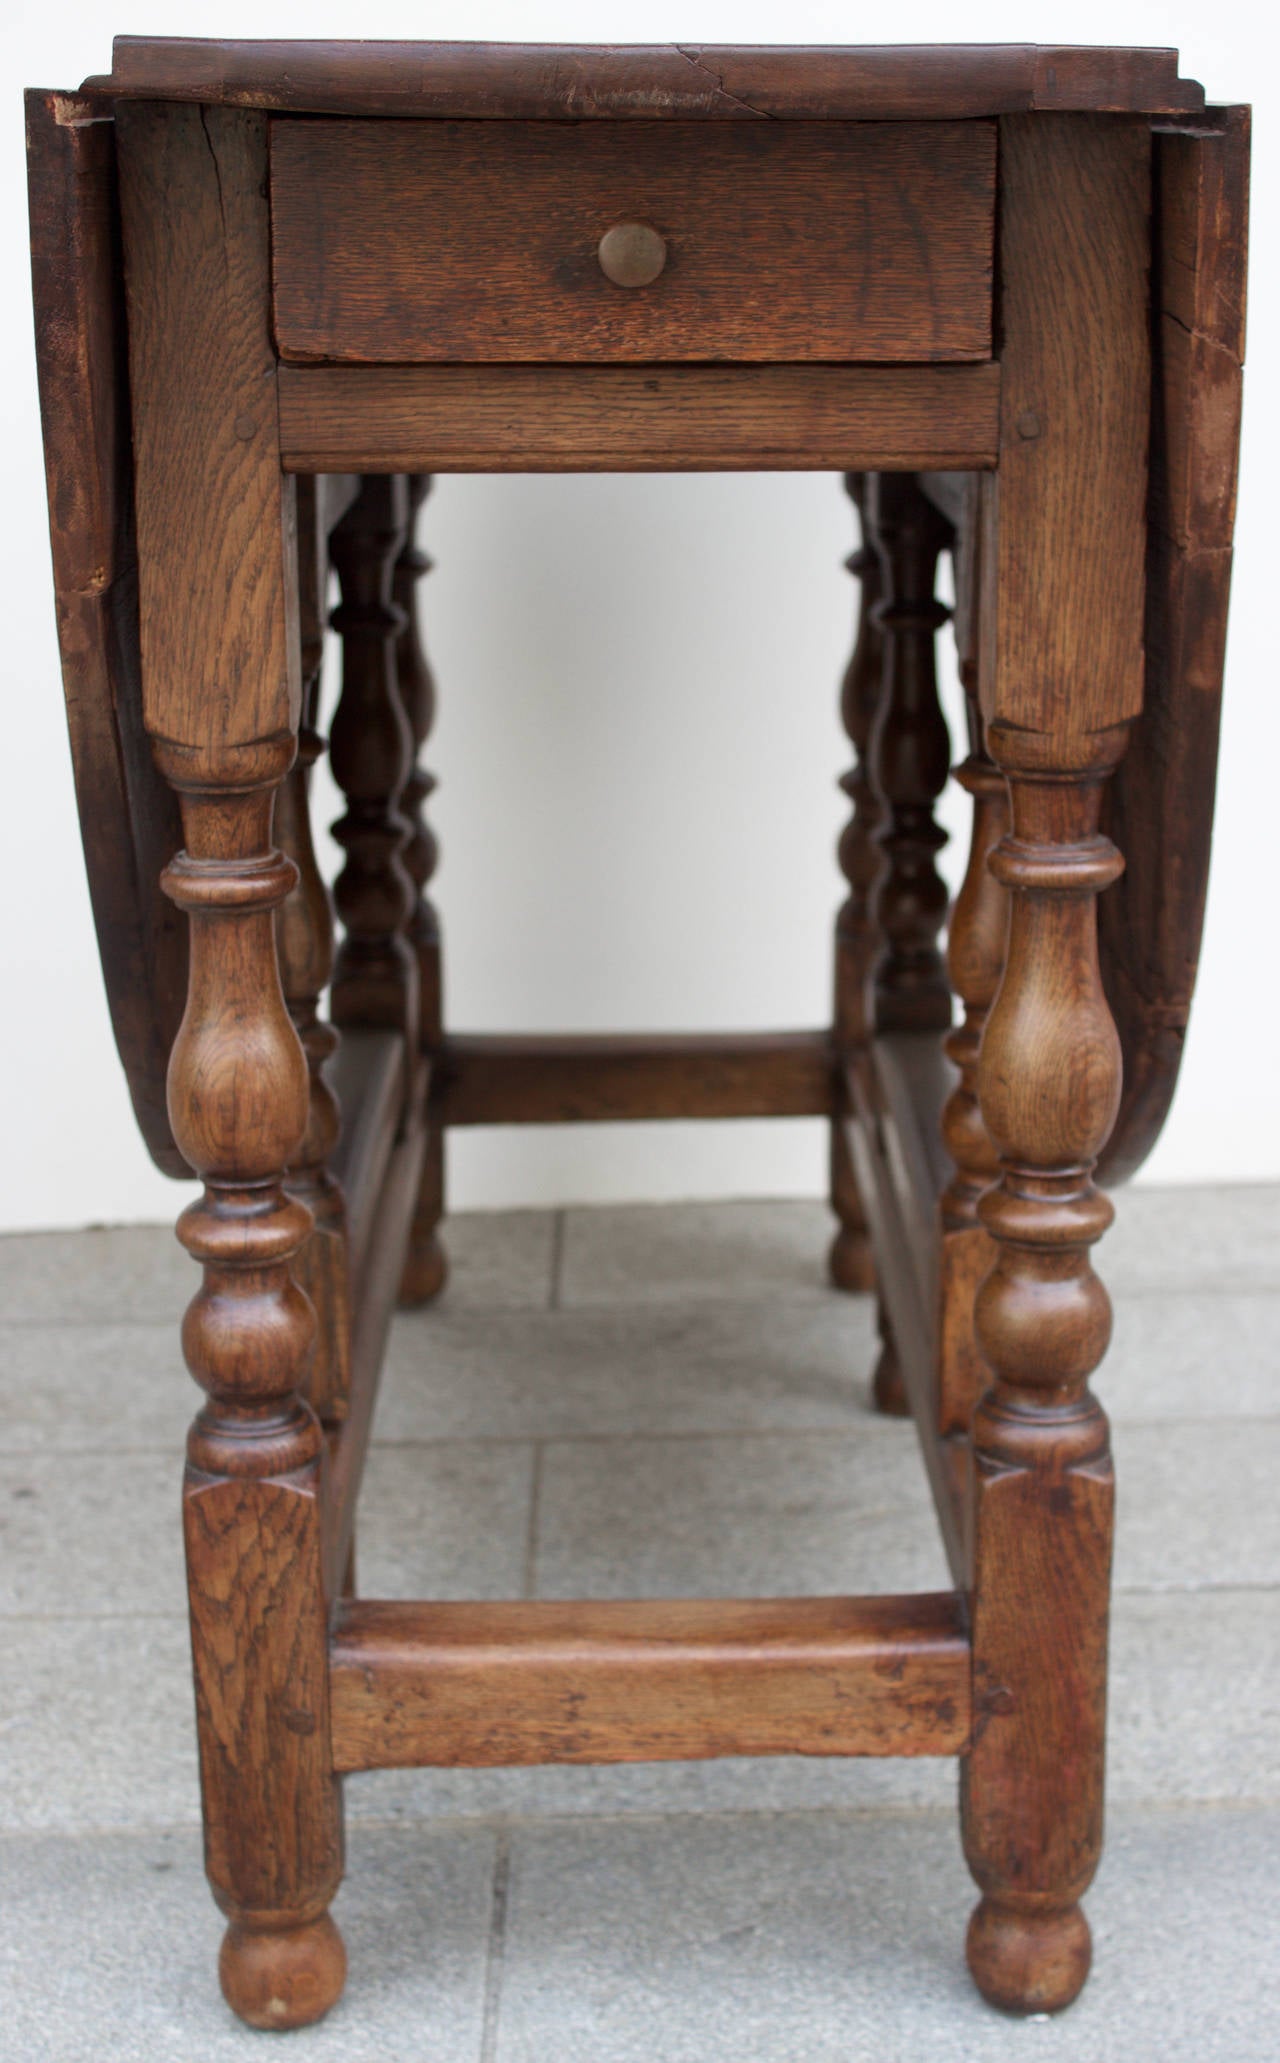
[638, 741]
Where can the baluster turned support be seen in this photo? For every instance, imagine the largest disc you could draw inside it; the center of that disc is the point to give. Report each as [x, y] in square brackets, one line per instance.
[256, 1455]
[910, 755]
[977, 938]
[975, 961]
[1042, 1489]
[304, 943]
[216, 530]
[850, 1262]
[375, 980]
[426, 1265]
[910, 759]
[1063, 540]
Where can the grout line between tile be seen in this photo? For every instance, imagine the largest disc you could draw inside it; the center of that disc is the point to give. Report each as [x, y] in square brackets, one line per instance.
[558, 1228]
[530, 1579]
[865, 1425]
[177, 1617]
[497, 1947]
[505, 1823]
[1183, 1591]
[806, 1297]
[60, 1324]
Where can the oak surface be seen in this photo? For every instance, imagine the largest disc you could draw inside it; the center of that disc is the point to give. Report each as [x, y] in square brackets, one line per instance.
[1060, 676]
[850, 1263]
[540, 1079]
[681, 418]
[648, 1681]
[221, 660]
[1159, 806]
[991, 1315]
[221, 700]
[411, 242]
[522, 81]
[129, 821]
[1061, 639]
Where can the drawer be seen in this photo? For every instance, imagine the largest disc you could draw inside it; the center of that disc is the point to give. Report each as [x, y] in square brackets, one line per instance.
[400, 242]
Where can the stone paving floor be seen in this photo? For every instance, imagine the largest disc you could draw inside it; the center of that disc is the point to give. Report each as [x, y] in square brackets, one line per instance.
[612, 1402]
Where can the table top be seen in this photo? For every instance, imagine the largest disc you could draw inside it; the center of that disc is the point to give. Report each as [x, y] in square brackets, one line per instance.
[529, 81]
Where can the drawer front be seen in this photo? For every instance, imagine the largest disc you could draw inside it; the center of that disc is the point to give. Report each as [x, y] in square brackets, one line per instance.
[408, 242]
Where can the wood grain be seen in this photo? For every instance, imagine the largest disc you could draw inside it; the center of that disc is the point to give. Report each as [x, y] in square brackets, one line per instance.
[426, 1268]
[410, 242]
[466, 419]
[220, 651]
[221, 678]
[1042, 1482]
[652, 1681]
[913, 1077]
[379, 1282]
[1063, 569]
[850, 1262]
[254, 1486]
[977, 939]
[1159, 806]
[608, 82]
[370, 1080]
[304, 949]
[910, 759]
[129, 821]
[375, 974]
[1009, 1672]
[1060, 673]
[908, 1296]
[540, 1080]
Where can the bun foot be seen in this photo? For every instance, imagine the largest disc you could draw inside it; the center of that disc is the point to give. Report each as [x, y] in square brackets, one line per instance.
[426, 1270]
[283, 1979]
[1028, 1962]
[850, 1263]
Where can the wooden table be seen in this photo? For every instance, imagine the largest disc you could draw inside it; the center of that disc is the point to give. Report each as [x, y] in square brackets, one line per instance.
[1002, 291]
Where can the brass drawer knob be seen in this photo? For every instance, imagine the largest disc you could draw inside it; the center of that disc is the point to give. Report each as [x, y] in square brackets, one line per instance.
[631, 254]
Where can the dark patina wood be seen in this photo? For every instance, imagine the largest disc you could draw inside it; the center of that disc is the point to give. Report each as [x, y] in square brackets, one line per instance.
[375, 975]
[405, 242]
[857, 938]
[304, 948]
[663, 418]
[583, 82]
[1159, 807]
[648, 1681]
[129, 818]
[221, 699]
[1057, 693]
[562, 1080]
[909, 753]
[1032, 469]
[426, 1266]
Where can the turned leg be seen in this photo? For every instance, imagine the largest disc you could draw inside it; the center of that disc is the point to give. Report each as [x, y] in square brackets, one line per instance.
[256, 1456]
[977, 937]
[375, 978]
[426, 1265]
[975, 960]
[850, 1262]
[221, 697]
[910, 760]
[1042, 1490]
[909, 754]
[304, 944]
[1063, 544]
